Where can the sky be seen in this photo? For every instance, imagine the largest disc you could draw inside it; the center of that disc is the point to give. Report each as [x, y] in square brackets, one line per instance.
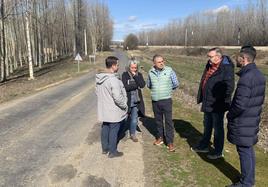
[133, 16]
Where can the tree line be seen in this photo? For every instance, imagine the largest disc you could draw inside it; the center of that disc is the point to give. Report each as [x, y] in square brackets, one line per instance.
[35, 32]
[246, 25]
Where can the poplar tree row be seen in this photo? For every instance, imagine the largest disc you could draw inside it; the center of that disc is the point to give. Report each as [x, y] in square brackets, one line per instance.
[35, 32]
[246, 24]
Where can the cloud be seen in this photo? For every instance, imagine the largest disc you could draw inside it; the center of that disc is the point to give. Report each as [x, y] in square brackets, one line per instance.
[223, 8]
[132, 18]
[149, 26]
[133, 27]
[123, 28]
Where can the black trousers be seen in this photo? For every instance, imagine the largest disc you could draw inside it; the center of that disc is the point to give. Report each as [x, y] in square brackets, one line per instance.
[163, 111]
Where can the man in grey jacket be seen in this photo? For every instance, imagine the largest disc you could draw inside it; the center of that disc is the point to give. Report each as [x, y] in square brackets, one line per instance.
[112, 106]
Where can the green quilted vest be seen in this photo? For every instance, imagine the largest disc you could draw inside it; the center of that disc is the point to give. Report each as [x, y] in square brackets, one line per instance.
[161, 84]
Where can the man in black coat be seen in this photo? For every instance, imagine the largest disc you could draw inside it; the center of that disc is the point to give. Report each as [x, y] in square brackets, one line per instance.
[245, 114]
[215, 91]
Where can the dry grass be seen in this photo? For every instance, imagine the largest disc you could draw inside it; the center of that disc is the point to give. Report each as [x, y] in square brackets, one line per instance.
[51, 73]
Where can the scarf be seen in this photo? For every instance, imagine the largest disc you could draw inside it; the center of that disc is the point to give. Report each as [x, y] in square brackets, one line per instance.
[134, 92]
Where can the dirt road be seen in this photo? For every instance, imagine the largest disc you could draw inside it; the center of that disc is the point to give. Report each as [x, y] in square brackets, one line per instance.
[52, 139]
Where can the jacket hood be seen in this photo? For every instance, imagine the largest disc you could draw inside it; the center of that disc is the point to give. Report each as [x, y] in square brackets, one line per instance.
[103, 76]
[226, 60]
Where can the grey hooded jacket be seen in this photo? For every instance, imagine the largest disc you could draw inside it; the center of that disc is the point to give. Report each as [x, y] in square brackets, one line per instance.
[112, 98]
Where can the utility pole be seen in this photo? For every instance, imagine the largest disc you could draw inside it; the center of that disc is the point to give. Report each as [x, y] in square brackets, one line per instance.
[85, 34]
[192, 38]
[185, 40]
[238, 36]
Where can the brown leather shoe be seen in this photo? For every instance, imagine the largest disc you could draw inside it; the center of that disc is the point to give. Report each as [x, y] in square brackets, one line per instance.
[158, 141]
[134, 138]
[171, 147]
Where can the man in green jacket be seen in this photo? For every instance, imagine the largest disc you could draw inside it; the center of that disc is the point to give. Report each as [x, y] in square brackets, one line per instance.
[161, 81]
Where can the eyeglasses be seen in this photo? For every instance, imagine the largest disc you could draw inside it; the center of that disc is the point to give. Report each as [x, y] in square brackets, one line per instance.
[210, 57]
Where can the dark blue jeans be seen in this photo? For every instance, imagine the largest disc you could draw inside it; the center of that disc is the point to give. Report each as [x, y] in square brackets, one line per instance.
[133, 120]
[247, 165]
[109, 136]
[213, 120]
[163, 110]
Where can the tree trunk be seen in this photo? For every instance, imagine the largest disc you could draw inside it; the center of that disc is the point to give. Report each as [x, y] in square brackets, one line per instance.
[3, 43]
[31, 75]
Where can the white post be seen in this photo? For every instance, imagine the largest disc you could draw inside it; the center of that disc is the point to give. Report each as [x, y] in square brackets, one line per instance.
[85, 33]
[238, 37]
[78, 67]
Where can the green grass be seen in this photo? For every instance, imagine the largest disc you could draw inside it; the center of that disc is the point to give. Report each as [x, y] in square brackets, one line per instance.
[187, 168]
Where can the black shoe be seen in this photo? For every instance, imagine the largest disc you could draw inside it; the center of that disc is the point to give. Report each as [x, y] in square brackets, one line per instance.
[116, 154]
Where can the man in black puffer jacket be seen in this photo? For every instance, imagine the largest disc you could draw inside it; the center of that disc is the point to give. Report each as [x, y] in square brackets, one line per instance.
[245, 114]
[215, 92]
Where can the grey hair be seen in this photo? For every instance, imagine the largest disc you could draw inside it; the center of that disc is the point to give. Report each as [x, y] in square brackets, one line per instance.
[217, 50]
[132, 62]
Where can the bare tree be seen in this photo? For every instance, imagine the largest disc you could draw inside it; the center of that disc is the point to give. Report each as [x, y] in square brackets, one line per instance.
[3, 42]
[29, 47]
[225, 27]
[33, 33]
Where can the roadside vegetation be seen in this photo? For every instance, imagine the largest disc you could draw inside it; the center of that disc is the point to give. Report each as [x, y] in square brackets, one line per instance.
[50, 74]
[184, 167]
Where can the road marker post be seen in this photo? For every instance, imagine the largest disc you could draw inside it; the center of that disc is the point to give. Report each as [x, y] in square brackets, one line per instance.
[78, 59]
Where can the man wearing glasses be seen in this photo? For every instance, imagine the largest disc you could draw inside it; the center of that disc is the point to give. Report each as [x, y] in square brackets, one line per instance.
[215, 91]
[162, 80]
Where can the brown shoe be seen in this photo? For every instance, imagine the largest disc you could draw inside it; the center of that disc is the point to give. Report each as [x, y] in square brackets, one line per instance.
[134, 138]
[158, 141]
[171, 147]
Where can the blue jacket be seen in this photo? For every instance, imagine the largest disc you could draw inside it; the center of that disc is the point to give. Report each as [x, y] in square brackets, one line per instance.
[218, 89]
[245, 112]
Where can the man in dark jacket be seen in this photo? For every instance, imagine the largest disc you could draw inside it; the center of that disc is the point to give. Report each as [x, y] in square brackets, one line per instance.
[245, 114]
[215, 91]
